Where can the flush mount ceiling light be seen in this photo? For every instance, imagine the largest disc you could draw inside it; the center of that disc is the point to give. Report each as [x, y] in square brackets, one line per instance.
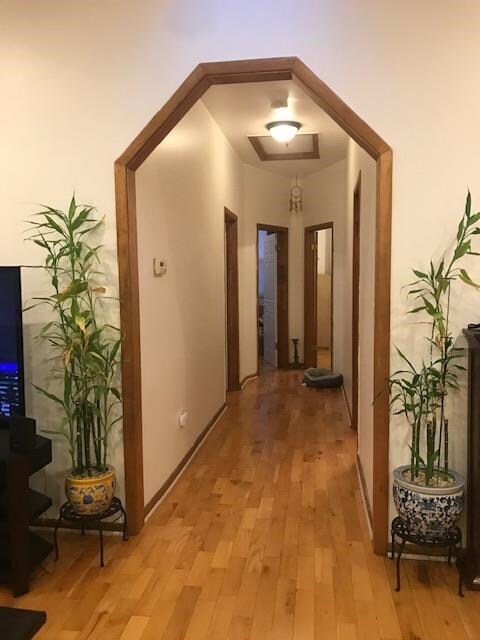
[283, 130]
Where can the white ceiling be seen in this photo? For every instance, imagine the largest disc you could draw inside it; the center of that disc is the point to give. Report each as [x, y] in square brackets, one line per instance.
[243, 110]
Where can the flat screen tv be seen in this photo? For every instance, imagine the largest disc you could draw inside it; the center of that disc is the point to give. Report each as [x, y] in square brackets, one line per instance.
[12, 396]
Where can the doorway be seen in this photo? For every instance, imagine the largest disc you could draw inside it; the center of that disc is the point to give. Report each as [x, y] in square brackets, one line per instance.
[231, 296]
[272, 297]
[318, 330]
[192, 89]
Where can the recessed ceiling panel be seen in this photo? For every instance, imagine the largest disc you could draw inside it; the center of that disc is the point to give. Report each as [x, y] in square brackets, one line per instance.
[242, 111]
[302, 147]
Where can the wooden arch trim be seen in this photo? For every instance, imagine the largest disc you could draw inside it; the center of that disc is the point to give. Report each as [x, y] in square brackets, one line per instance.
[197, 83]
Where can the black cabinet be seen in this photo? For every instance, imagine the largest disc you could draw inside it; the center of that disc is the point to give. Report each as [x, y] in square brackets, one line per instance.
[21, 550]
[470, 562]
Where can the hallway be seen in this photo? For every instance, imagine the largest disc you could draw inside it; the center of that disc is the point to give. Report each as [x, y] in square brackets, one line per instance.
[263, 538]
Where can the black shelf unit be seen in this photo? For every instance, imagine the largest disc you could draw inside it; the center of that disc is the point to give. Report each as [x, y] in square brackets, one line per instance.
[21, 550]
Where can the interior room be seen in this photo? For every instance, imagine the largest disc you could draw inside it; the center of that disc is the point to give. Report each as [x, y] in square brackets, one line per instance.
[239, 351]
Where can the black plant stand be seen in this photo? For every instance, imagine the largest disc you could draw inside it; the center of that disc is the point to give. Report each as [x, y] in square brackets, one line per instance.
[67, 513]
[452, 541]
[296, 364]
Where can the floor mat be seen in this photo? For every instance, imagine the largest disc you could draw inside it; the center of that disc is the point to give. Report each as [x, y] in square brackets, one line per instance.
[20, 624]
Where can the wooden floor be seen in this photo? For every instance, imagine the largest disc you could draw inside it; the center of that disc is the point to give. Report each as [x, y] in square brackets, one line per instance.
[263, 538]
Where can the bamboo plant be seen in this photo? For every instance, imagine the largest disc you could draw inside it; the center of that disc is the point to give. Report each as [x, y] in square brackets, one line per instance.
[420, 392]
[85, 348]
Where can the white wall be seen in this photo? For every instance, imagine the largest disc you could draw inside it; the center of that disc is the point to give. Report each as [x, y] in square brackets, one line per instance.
[69, 109]
[182, 189]
[265, 201]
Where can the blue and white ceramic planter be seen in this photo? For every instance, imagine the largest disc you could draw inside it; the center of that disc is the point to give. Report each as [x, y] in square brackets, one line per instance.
[428, 511]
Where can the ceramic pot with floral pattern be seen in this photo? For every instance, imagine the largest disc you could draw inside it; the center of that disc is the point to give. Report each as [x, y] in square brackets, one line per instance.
[92, 494]
[429, 511]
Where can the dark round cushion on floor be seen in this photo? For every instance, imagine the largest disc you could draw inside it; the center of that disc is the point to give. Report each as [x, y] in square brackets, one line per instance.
[322, 378]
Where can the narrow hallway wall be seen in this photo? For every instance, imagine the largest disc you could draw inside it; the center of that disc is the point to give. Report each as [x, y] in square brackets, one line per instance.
[181, 191]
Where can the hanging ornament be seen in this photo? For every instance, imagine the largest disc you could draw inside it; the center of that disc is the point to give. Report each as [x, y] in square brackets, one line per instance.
[296, 197]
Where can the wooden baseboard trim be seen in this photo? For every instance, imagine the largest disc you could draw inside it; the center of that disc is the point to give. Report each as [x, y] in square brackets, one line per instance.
[251, 376]
[347, 406]
[183, 463]
[50, 523]
[363, 487]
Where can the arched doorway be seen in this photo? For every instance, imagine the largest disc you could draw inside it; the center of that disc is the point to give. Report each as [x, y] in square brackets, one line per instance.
[197, 83]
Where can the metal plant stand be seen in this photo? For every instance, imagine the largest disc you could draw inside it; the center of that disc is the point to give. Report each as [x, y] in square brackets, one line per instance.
[296, 364]
[67, 513]
[452, 540]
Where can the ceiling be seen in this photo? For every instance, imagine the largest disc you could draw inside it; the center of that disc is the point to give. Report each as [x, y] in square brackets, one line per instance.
[243, 110]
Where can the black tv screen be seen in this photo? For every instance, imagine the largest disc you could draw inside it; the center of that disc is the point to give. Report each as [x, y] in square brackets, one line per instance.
[12, 397]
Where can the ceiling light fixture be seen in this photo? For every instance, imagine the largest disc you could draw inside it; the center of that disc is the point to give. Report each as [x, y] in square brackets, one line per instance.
[283, 130]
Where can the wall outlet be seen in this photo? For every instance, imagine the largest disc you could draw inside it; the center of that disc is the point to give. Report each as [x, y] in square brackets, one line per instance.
[159, 268]
[182, 418]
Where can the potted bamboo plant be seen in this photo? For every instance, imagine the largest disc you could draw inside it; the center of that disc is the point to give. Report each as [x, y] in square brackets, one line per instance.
[428, 493]
[85, 351]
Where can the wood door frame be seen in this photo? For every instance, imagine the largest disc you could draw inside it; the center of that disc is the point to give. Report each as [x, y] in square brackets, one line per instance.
[356, 266]
[282, 293]
[232, 303]
[309, 302]
[195, 85]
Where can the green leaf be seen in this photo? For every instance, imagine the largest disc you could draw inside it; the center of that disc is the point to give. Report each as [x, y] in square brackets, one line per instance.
[429, 308]
[116, 393]
[81, 219]
[462, 249]
[55, 226]
[468, 204]
[474, 219]
[420, 274]
[49, 395]
[72, 208]
[463, 275]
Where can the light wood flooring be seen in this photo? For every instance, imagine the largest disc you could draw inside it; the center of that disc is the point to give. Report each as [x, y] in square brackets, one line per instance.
[263, 538]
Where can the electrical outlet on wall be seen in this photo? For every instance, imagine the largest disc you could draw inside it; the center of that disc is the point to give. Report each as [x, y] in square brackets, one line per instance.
[159, 268]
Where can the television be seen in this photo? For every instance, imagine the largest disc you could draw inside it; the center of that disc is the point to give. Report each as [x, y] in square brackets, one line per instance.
[12, 394]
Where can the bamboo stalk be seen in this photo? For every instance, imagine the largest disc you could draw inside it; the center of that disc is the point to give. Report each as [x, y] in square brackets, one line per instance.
[446, 447]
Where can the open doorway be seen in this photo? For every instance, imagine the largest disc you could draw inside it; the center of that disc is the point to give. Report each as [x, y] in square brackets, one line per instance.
[140, 386]
[272, 297]
[319, 296]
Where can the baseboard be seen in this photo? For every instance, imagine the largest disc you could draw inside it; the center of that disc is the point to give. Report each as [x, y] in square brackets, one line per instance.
[363, 487]
[252, 376]
[347, 406]
[172, 478]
